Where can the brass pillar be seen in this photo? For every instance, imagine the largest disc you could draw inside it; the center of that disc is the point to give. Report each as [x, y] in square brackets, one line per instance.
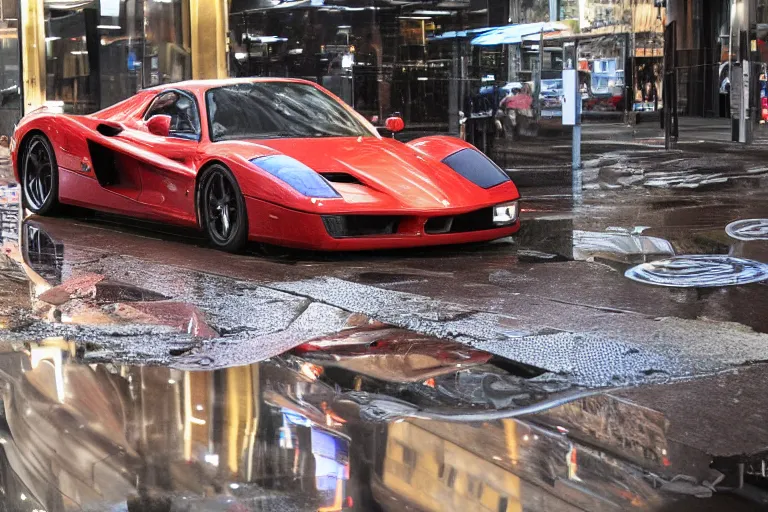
[32, 53]
[208, 20]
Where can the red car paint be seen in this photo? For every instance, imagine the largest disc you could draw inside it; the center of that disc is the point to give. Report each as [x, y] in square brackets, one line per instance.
[158, 175]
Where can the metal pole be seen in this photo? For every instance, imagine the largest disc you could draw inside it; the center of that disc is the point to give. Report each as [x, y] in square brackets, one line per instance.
[20, 82]
[576, 138]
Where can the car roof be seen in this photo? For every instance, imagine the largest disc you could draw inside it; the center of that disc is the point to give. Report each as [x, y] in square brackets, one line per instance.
[204, 85]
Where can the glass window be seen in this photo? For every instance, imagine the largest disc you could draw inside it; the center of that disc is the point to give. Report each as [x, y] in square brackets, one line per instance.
[10, 72]
[102, 52]
[182, 109]
[262, 110]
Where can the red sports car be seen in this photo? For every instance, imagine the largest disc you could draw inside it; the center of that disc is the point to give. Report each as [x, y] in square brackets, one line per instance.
[277, 161]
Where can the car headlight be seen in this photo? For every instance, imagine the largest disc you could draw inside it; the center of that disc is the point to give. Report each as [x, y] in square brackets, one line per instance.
[476, 167]
[505, 214]
[297, 175]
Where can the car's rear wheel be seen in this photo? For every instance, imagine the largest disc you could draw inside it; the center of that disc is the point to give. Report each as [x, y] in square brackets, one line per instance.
[40, 177]
[221, 208]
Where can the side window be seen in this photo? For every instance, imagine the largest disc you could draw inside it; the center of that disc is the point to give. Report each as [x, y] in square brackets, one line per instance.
[185, 120]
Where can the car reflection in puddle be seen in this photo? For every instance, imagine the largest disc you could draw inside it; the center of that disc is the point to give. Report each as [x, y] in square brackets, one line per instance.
[288, 434]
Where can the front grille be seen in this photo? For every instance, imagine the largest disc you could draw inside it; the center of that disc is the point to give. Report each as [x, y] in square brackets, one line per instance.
[477, 220]
[344, 226]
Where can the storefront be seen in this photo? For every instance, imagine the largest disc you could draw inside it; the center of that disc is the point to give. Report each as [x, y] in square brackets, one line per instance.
[420, 59]
[100, 53]
[84, 55]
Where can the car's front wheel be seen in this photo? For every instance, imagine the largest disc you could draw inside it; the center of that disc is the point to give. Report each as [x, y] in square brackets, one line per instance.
[40, 176]
[221, 208]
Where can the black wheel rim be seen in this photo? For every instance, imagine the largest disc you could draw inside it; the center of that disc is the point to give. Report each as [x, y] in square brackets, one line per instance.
[220, 207]
[38, 174]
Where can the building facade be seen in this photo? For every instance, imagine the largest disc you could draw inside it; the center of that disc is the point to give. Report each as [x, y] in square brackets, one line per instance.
[82, 56]
[432, 64]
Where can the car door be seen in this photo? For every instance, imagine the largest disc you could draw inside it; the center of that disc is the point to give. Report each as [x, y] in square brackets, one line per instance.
[160, 168]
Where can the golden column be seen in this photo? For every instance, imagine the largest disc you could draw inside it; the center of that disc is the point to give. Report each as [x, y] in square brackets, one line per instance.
[208, 20]
[32, 53]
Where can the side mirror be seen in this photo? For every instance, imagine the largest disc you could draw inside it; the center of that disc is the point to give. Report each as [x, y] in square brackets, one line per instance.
[159, 125]
[394, 124]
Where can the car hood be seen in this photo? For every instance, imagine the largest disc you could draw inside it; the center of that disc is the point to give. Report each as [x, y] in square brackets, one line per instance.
[383, 172]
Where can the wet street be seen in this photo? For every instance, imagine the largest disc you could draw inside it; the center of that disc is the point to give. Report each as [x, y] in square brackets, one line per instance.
[610, 356]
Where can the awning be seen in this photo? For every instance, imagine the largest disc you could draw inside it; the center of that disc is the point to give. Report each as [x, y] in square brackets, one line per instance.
[514, 34]
[453, 34]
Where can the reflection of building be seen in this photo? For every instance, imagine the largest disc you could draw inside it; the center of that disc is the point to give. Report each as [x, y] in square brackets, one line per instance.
[437, 474]
[80, 436]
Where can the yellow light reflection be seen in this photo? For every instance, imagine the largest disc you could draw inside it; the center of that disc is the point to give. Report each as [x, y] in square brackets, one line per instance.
[52, 354]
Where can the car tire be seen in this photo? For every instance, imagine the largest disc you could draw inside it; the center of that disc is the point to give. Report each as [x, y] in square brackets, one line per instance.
[221, 209]
[39, 177]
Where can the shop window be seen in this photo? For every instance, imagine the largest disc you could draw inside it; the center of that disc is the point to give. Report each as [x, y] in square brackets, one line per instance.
[10, 71]
[99, 53]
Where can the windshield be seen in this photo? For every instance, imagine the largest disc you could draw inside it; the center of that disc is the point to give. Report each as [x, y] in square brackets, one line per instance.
[270, 110]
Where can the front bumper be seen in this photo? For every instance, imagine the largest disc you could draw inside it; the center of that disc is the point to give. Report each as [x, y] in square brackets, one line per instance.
[270, 223]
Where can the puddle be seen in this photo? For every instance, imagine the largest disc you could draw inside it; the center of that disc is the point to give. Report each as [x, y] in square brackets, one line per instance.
[622, 246]
[699, 271]
[293, 433]
[748, 229]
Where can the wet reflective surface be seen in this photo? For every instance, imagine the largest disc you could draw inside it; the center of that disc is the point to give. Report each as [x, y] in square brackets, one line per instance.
[485, 377]
[292, 434]
[699, 271]
[748, 229]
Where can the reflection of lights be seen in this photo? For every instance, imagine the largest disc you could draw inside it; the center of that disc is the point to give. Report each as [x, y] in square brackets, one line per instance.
[573, 465]
[53, 356]
[526, 437]
[663, 451]
[79, 52]
[212, 459]
[199, 407]
[535, 437]
[496, 457]
[171, 382]
[196, 421]
[415, 17]
[241, 55]
[424, 12]
[312, 371]
[296, 51]
[109, 27]
[23, 497]
[51, 38]
[234, 486]
[41, 288]
[562, 430]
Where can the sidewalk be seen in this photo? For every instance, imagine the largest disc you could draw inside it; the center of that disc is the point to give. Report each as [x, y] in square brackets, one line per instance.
[622, 159]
